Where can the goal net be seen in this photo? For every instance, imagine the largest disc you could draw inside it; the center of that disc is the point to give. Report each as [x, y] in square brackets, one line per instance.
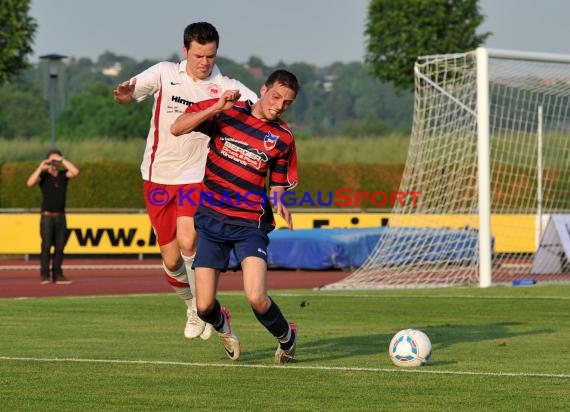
[490, 156]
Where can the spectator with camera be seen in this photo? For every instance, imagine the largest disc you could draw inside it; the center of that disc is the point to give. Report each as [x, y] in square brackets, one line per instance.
[52, 176]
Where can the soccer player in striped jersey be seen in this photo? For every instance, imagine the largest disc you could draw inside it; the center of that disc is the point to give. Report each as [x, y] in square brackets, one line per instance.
[173, 167]
[249, 145]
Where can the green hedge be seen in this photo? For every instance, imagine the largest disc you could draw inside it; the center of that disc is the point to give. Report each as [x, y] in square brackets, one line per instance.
[111, 184]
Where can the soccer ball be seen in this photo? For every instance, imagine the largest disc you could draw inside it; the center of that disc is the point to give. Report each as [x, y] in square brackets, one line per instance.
[410, 347]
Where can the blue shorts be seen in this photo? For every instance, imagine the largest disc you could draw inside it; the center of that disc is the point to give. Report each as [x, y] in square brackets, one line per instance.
[216, 239]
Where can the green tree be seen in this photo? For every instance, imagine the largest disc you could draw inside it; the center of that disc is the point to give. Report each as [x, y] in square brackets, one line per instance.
[400, 31]
[79, 74]
[132, 68]
[340, 99]
[255, 61]
[296, 116]
[360, 104]
[93, 113]
[23, 113]
[237, 71]
[16, 37]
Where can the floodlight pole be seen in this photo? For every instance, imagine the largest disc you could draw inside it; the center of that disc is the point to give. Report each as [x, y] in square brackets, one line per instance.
[54, 60]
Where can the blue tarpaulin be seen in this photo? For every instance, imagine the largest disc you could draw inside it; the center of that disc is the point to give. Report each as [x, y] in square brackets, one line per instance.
[321, 249]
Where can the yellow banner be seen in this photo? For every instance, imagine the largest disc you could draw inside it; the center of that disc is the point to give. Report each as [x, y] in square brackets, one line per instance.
[88, 234]
[132, 233]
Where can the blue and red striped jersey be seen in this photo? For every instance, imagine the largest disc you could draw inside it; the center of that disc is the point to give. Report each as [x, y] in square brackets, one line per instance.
[245, 155]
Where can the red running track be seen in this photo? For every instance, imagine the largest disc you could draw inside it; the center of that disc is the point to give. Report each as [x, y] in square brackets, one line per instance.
[20, 278]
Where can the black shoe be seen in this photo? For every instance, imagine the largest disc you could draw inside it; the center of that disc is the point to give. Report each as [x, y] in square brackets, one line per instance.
[62, 280]
[45, 280]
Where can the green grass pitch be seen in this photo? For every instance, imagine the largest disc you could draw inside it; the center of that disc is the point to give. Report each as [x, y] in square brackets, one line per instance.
[502, 348]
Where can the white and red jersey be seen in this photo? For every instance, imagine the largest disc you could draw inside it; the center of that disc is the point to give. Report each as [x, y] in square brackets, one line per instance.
[169, 159]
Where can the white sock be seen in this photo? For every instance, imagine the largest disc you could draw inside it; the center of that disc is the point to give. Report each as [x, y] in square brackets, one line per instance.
[191, 275]
[180, 276]
[190, 303]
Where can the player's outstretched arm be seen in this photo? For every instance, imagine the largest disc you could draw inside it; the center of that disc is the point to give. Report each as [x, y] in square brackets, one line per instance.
[189, 121]
[123, 93]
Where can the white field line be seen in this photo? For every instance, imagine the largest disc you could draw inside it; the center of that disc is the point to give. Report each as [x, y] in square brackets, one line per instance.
[290, 366]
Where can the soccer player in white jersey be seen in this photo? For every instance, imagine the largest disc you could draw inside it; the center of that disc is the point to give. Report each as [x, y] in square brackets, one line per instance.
[173, 167]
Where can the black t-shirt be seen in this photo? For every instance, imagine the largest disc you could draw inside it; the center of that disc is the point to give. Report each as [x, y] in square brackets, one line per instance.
[54, 189]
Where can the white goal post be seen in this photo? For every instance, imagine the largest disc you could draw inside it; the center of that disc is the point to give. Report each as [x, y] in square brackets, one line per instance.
[490, 154]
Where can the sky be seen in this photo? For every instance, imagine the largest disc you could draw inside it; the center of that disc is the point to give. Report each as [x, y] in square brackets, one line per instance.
[318, 32]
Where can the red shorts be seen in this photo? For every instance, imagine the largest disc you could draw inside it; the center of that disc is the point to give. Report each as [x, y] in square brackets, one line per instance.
[164, 203]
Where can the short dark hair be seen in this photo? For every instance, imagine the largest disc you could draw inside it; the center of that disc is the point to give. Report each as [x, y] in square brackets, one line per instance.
[284, 77]
[53, 151]
[201, 32]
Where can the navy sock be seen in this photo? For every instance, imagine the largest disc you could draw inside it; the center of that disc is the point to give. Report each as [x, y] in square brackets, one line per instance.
[287, 345]
[214, 316]
[273, 321]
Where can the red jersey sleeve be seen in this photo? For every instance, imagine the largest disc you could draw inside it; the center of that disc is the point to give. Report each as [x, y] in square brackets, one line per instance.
[284, 172]
[206, 126]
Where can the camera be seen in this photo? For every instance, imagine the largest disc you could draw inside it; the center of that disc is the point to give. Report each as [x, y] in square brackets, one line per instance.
[55, 163]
